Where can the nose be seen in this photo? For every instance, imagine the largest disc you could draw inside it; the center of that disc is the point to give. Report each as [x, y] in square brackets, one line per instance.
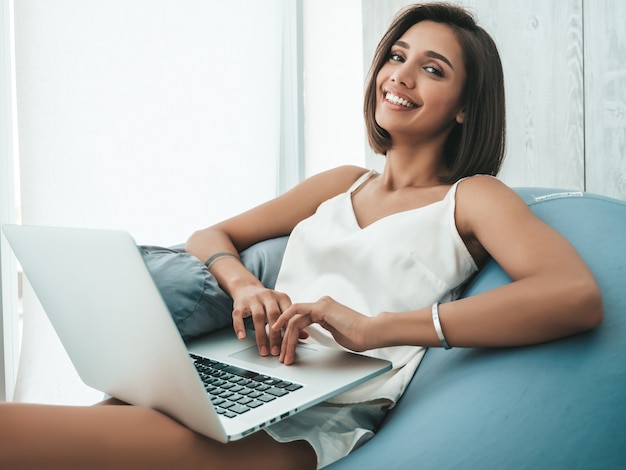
[402, 76]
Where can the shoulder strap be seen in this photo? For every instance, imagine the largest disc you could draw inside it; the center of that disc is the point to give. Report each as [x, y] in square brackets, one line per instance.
[361, 180]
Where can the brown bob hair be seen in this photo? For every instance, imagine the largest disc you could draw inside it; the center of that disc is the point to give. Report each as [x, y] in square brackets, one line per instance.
[476, 146]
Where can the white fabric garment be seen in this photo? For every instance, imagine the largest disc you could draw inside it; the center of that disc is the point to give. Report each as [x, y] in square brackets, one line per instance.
[402, 262]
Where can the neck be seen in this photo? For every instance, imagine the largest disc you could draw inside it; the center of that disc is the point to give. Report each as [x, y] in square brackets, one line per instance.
[408, 167]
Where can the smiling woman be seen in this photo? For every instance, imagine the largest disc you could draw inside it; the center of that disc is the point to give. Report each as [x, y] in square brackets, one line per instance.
[375, 263]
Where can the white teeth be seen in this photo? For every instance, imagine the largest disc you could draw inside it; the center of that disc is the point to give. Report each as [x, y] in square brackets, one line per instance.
[397, 100]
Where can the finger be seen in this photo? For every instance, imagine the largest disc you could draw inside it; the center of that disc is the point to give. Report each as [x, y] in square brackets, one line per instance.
[287, 315]
[291, 337]
[238, 324]
[259, 321]
[284, 302]
[275, 336]
[279, 303]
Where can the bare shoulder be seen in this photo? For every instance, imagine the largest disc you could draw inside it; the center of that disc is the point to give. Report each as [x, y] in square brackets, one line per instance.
[485, 189]
[336, 180]
[323, 186]
[494, 217]
[489, 214]
[280, 215]
[485, 197]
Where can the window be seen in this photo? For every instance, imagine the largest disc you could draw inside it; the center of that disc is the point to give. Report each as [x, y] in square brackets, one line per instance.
[154, 116]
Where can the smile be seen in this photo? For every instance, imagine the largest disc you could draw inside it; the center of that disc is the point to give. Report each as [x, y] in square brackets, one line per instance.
[397, 100]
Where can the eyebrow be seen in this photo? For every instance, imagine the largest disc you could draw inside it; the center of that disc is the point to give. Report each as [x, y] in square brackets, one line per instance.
[433, 54]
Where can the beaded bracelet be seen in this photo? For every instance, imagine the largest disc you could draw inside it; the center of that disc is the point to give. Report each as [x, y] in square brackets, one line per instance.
[442, 338]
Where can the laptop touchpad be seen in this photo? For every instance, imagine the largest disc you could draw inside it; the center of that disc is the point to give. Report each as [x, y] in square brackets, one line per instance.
[252, 356]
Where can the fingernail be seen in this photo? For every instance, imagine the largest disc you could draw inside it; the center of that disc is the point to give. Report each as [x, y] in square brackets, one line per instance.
[263, 351]
[275, 351]
[241, 335]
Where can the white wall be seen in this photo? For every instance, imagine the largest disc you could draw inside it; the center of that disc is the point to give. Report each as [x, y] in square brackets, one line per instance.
[154, 116]
[333, 84]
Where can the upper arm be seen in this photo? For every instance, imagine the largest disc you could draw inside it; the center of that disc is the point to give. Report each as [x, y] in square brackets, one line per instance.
[279, 216]
[553, 293]
[500, 221]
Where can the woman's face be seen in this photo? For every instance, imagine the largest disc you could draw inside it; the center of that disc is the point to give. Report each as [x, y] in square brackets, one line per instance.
[418, 89]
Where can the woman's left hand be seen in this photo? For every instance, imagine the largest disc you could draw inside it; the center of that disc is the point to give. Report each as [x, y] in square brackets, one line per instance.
[348, 327]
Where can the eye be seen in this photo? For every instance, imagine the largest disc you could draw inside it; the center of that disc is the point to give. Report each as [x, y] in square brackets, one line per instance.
[395, 57]
[434, 70]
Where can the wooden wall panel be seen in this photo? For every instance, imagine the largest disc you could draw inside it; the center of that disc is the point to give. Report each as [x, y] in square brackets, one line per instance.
[605, 96]
[540, 44]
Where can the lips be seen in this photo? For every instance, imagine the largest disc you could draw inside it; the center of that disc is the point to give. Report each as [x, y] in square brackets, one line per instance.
[395, 99]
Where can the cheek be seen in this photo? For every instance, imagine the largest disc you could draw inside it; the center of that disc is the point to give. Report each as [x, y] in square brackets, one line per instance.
[378, 98]
[379, 84]
[378, 117]
[381, 118]
[382, 77]
[447, 102]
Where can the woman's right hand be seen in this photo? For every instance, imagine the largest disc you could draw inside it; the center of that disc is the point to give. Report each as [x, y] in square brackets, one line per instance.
[264, 306]
[274, 218]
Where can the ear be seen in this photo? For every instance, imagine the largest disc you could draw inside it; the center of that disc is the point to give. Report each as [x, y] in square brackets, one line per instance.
[460, 117]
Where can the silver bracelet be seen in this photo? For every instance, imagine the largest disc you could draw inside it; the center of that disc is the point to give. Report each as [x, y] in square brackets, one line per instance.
[437, 323]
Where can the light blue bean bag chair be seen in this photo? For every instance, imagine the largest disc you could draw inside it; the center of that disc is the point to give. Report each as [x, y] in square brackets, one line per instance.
[560, 405]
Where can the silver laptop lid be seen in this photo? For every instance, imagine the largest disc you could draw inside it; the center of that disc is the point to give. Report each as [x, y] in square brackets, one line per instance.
[102, 311]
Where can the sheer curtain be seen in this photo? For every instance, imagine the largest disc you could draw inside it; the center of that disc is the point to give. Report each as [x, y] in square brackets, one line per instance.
[153, 116]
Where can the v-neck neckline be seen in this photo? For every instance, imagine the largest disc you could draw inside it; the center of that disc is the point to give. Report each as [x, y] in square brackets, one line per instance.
[366, 177]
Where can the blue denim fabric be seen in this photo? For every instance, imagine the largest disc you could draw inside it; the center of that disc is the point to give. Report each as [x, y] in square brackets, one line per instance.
[195, 300]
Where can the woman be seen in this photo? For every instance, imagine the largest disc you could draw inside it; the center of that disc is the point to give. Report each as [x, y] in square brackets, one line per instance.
[374, 263]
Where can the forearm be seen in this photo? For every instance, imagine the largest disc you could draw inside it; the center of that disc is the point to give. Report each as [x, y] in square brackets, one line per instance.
[206, 242]
[530, 311]
[229, 272]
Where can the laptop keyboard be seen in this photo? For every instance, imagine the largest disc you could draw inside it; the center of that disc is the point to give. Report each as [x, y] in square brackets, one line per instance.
[234, 390]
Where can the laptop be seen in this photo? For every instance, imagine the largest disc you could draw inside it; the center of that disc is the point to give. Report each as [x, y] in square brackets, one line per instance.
[112, 321]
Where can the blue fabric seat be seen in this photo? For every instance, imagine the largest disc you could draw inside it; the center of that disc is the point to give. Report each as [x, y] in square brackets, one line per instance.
[559, 405]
